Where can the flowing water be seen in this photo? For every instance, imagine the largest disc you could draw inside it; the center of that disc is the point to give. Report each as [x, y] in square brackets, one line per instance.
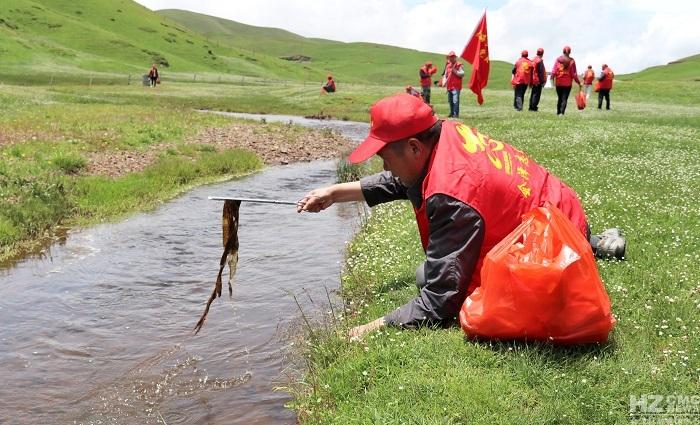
[98, 330]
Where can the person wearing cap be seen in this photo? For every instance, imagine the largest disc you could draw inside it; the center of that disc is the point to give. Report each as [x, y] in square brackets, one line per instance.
[329, 87]
[588, 78]
[454, 73]
[563, 74]
[426, 71]
[467, 191]
[539, 78]
[605, 83]
[522, 77]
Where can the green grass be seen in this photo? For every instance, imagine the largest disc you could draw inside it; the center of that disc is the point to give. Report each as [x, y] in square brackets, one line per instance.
[97, 42]
[685, 69]
[634, 167]
[59, 41]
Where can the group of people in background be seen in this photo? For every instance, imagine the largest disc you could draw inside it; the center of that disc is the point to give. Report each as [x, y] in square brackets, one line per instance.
[531, 73]
[451, 80]
[526, 73]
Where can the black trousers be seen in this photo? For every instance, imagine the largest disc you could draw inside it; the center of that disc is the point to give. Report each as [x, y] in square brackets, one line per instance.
[518, 100]
[426, 94]
[604, 93]
[562, 99]
[535, 93]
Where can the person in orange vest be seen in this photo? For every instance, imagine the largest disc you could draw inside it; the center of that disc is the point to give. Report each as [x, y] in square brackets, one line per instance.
[539, 79]
[563, 74]
[522, 77]
[426, 71]
[588, 78]
[454, 73]
[605, 83]
[329, 87]
[468, 192]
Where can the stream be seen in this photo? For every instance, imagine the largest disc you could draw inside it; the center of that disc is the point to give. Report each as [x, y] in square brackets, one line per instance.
[98, 329]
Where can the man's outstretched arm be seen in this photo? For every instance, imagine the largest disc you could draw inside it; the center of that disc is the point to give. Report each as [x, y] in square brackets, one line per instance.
[375, 189]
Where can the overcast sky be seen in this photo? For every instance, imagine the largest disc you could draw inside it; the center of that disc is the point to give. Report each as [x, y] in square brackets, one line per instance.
[629, 35]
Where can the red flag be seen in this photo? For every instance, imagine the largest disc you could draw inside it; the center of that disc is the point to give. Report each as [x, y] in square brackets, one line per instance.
[477, 53]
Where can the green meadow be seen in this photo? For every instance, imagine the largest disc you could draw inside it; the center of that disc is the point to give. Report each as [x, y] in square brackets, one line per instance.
[635, 167]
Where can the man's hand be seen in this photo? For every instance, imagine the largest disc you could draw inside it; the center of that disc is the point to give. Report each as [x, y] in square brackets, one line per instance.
[356, 333]
[316, 200]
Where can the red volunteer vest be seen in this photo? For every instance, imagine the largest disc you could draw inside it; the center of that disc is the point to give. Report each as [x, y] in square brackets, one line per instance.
[453, 82]
[426, 81]
[535, 76]
[523, 71]
[562, 74]
[607, 82]
[588, 76]
[500, 182]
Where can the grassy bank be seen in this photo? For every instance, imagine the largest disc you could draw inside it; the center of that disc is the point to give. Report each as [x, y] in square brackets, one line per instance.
[44, 181]
[50, 135]
[634, 167]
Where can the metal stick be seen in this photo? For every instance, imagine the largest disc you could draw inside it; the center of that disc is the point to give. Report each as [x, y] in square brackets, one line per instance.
[263, 201]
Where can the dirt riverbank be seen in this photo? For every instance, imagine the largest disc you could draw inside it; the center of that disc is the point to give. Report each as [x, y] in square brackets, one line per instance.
[274, 143]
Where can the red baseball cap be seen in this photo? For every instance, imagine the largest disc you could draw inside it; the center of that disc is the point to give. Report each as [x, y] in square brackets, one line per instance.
[392, 119]
[524, 53]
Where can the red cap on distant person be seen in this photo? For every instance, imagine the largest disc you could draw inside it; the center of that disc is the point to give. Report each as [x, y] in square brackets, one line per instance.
[540, 51]
[392, 119]
[452, 53]
[567, 49]
[524, 53]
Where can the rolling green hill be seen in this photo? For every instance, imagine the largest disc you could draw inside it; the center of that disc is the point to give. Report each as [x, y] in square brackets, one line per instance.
[115, 36]
[686, 69]
[367, 62]
[40, 39]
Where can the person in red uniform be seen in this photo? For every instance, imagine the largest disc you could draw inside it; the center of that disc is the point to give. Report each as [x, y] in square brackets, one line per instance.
[605, 83]
[468, 191]
[563, 74]
[426, 71]
[329, 87]
[539, 78]
[153, 75]
[454, 74]
[522, 77]
[588, 78]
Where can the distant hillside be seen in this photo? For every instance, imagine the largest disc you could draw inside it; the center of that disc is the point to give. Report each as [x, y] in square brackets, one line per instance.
[686, 69]
[368, 62]
[116, 36]
[43, 38]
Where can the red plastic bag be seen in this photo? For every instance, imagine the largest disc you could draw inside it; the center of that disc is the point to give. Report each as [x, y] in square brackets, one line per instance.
[540, 283]
[581, 100]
